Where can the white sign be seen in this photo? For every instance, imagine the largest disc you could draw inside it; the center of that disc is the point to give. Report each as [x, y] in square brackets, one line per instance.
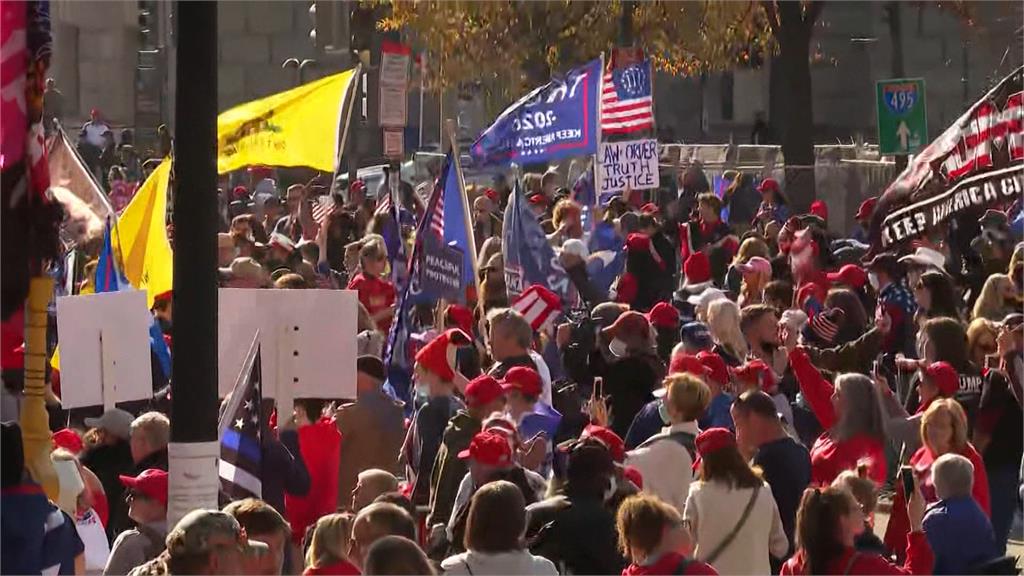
[104, 348]
[394, 143]
[307, 337]
[394, 84]
[192, 478]
[632, 165]
[394, 106]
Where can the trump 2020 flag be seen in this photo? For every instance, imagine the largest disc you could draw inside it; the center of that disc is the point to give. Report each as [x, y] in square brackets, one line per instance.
[557, 120]
[241, 437]
[529, 258]
[455, 232]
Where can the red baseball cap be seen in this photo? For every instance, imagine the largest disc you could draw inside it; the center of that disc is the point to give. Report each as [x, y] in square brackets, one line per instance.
[461, 316]
[685, 363]
[819, 209]
[715, 366]
[944, 376]
[650, 208]
[151, 483]
[523, 379]
[616, 447]
[489, 448]
[850, 275]
[663, 315]
[483, 390]
[866, 208]
[68, 439]
[768, 184]
[713, 440]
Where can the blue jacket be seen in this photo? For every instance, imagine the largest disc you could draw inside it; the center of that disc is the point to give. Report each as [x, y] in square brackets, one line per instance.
[960, 535]
[647, 422]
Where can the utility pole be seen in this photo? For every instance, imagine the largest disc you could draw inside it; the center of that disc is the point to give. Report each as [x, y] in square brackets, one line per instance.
[194, 404]
[895, 20]
[626, 23]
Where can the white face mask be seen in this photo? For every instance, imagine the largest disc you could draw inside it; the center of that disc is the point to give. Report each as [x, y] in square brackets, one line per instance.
[613, 485]
[617, 347]
[873, 280]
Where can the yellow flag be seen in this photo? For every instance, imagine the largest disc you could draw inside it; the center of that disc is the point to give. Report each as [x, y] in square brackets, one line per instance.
[140, 236]
[298, 127]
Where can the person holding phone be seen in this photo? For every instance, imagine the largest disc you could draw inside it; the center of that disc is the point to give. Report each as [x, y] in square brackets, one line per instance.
[943, 431]
[827, 525]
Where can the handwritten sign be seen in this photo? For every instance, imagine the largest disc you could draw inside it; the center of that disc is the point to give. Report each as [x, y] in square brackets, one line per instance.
[632, 165]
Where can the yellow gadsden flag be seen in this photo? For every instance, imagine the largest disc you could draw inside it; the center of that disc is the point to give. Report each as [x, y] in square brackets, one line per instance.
[141, 236]
[298, 127]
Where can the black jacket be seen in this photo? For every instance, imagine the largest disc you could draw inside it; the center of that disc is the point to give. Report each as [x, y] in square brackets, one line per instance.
[108, 462]
[577, 534]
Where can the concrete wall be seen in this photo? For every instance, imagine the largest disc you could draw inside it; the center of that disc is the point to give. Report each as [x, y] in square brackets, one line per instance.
[94, 56]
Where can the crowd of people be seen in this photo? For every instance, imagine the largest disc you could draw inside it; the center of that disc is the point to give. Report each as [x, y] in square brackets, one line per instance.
[735, 397]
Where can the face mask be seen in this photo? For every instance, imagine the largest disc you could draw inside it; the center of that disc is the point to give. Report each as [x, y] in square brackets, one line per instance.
[873, 280]
[609, 492]
[618, 347]
[663, 412]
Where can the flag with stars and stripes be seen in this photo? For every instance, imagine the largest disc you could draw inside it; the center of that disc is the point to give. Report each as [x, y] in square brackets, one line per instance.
[627, 101]
[323, 207]
[241, 438]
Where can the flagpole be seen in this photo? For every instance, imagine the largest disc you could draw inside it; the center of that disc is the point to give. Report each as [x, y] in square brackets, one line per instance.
[450, 126]
[241, 380]
[344, 120]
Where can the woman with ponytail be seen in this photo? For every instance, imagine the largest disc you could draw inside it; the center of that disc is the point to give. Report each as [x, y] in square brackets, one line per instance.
[828, 524]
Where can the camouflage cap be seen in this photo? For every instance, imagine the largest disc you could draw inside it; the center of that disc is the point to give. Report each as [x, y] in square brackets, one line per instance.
[191, 535]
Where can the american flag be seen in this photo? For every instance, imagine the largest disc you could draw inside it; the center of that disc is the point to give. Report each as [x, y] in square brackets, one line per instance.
[626, 99]
[241, 454]
[323, 207]
[383, 203]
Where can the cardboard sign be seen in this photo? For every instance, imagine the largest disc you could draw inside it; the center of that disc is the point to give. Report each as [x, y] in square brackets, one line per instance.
[632, 164]
[104, 348]
[308, 340]
[442, 271]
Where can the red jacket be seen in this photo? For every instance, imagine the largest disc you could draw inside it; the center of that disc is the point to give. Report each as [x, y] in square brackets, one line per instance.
[669, 564]
[319, 444]
[830, 457]
[342, 568]
[921, 461]
[920, 560]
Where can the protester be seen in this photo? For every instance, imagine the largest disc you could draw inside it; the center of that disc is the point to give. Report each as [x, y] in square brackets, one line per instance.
[435, 372]
[263, 523]
[732, 529]
[375, 292]
[828, 523]
[109, 458]
[724, 324]
[865, 492]
[634, 369]
[202, 542]
[150, 434]
[851, 414]
[654, 538]
[371, 428]
[665, 459]
[328, 546]
[375, 522]
[319, 444]
[147, 507]
[575, 529]
[494, 536]
[397, 556]
[483, 396]
[785, 464]
[370, 484]
[957, 528]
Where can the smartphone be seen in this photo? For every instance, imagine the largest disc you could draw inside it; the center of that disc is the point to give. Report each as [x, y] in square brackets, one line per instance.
[907, 477]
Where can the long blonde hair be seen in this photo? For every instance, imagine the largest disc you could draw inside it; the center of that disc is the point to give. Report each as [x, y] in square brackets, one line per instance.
[749, 248]
[329, 541]
[724, 325]
[990, 302]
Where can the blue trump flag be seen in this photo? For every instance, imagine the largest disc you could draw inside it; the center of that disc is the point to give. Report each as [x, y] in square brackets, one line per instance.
[529, 258]
[455, 232]
[557, 120]
[398, 357]
[109, 278]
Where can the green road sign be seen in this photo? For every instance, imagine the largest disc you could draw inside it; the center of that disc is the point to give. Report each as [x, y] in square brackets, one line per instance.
[902, 116]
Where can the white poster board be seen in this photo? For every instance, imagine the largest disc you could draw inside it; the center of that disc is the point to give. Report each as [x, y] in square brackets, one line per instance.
[104, 348]
[632, 164]
[307, 338]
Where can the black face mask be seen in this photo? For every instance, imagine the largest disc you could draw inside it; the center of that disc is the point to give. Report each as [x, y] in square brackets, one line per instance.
[166, 326]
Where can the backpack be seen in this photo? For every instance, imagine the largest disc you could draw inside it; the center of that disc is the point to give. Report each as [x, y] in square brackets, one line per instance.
[684, 439]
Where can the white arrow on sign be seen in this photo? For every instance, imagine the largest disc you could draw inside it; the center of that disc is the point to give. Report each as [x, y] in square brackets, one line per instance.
[902, 132]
